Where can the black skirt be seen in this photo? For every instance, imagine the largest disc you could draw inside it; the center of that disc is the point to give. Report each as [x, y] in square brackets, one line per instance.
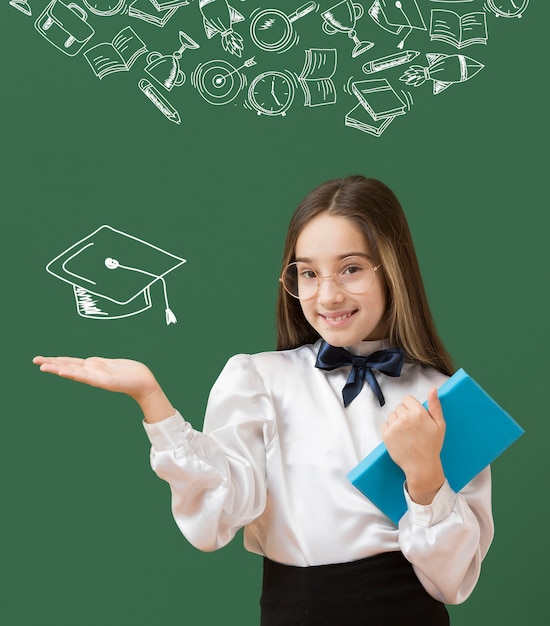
[382, 590]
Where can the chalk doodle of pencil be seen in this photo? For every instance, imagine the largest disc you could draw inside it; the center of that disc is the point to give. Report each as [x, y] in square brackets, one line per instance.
[112, 274]
[389, 61]
[219, 82]
[507, 8]
[272, 93]
[379, 104]
[444, 70]
[165, 68]
[315, 78]
[397, 17]
[160, 102]
[22, 5]
[273, 31]
[117, 55]
[218, 18]
[458, 30]
[342, 18]
[65, 26]
[156, 12]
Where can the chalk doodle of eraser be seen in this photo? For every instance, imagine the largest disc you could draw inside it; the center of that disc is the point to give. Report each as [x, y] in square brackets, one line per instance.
[112, 272]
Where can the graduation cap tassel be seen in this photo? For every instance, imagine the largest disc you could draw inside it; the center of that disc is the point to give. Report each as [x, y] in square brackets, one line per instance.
[170, 317]
[113, 264]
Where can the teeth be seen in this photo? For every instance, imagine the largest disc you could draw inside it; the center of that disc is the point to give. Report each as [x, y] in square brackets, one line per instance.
[339, 318]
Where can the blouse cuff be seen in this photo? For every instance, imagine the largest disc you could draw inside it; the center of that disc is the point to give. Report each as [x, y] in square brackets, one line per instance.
[169, 434]
[431, 514]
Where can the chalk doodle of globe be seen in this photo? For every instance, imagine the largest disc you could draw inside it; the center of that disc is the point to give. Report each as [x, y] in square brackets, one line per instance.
[370, 61]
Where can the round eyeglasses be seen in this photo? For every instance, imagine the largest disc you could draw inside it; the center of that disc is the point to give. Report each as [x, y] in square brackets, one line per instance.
[354, 273]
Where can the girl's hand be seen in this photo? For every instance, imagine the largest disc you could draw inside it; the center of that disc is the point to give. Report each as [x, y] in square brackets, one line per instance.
[414, 438]
[122, 375]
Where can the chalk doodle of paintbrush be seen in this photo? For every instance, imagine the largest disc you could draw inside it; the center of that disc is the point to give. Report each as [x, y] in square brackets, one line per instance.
[219, 17]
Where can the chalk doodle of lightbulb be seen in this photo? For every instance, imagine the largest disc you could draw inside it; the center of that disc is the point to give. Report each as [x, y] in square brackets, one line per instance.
[112, 273]
[261, 84]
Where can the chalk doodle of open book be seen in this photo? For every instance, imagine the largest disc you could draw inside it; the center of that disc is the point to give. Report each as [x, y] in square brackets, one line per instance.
[316, 76]
[458, 30]
[112, 274]
[116, 56]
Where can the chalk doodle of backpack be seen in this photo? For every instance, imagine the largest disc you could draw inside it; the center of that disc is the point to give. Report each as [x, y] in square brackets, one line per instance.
[65, 26]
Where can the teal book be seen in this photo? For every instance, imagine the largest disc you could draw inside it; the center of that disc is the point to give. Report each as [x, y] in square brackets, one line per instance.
[478, 431]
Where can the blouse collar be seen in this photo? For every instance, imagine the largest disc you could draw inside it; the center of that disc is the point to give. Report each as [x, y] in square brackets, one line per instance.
[364, 348]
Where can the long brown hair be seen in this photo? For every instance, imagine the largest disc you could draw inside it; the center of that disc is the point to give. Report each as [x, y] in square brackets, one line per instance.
[376, 211]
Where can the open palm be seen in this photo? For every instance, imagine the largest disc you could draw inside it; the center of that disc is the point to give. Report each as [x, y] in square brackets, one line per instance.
[121, 375]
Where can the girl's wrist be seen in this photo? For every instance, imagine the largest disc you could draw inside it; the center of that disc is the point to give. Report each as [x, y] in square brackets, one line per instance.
[422, 488]
[155, 405]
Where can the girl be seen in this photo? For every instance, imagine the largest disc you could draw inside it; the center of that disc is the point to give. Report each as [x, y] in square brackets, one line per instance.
[357, 352]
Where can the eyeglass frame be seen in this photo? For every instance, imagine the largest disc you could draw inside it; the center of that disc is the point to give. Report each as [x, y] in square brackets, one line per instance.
[333, 276]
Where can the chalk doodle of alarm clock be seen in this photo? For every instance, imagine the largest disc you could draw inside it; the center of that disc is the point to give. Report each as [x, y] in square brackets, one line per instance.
[507, 8]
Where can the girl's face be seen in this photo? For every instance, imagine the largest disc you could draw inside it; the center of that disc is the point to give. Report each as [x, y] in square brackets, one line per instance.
[340, 317]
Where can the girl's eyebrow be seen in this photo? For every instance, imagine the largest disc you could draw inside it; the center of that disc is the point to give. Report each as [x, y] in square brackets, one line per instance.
[304, 259]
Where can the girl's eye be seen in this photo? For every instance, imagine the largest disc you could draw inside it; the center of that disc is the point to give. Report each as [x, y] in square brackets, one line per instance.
[308, 274]
[352, 269]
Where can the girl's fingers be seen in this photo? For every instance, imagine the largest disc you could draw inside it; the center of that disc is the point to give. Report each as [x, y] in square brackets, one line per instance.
[434, 407]
[61, 360]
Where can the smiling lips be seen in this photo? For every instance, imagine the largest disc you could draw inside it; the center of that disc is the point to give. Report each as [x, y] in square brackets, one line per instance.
[335, 319]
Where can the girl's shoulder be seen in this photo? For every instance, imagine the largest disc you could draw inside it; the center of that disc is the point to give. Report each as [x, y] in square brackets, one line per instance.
[276, 364]
[419, 379]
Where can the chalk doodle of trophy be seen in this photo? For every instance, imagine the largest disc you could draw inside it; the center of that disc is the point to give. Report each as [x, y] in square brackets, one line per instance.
[272, 89]
[112, 273]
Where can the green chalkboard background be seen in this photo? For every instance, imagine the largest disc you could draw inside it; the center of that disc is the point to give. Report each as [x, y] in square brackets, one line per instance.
[87, 535]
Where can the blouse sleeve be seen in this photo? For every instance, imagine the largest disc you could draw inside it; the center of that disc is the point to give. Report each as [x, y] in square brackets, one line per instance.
[447, 540]
[217, 477]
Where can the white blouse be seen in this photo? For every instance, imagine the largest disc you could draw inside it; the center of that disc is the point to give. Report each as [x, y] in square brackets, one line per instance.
[273, 456]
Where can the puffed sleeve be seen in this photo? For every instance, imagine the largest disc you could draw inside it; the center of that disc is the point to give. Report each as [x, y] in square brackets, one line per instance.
[447, 540]
[217, 477]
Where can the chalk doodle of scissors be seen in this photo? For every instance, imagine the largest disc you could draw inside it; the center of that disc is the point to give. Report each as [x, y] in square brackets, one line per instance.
[273, 31]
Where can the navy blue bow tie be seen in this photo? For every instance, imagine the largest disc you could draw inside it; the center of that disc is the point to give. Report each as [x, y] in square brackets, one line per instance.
[389, 362]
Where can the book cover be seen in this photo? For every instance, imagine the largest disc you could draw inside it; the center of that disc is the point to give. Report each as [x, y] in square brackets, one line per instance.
[458, 31]
[379, 98]
[478, 431]
[361, 119]
[116, 56]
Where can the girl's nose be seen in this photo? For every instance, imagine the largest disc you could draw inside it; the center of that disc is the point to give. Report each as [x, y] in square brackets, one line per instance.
[330, 291]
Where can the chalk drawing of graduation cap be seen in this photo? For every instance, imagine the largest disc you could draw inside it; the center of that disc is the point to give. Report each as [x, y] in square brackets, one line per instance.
[396, 16]
[112, 273]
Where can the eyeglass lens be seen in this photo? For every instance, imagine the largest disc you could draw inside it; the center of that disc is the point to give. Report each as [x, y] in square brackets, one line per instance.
[355, 274]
